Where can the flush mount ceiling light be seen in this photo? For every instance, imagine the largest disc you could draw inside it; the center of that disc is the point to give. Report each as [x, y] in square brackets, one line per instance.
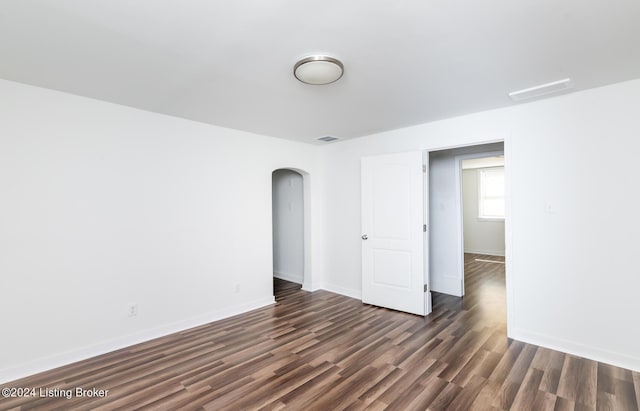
[318, 70]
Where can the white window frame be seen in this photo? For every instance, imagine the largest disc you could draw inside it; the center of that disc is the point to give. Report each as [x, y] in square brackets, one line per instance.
[481, 196]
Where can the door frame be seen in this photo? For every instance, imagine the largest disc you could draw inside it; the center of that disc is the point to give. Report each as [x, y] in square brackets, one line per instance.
[508, 237]
[460, 207]
[426, 232]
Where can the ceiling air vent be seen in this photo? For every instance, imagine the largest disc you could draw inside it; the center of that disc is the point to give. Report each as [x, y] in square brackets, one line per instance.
[327, 139]
[541, 90]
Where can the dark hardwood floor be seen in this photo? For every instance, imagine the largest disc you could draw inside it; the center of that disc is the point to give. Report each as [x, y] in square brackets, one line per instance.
[322, 351]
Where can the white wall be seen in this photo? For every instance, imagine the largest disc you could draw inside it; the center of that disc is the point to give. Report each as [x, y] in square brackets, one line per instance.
[445, 241]
[288, 226]
[103, 205]
[480, 236]
[572, 274]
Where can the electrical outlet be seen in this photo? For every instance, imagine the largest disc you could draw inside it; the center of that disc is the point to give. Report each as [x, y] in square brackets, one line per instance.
[132, 310]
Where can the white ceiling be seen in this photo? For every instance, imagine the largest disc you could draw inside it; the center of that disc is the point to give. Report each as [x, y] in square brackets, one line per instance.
[230, 62]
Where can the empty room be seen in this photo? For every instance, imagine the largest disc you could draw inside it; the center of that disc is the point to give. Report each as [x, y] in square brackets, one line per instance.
[361, 205]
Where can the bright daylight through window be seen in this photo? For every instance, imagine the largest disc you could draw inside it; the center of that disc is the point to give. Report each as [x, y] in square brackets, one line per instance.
[491, 204]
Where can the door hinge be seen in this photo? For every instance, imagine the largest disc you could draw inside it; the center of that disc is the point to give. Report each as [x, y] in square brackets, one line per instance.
[424, 168]
[424, 228]
[426, 288]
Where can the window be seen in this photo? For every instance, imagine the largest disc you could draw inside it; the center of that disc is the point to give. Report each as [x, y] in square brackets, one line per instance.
[491, 198]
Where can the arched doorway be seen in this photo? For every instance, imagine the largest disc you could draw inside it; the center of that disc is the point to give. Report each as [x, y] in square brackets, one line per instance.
[291, 224]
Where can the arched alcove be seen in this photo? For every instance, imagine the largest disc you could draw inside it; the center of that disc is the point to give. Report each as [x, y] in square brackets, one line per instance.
[291, 227]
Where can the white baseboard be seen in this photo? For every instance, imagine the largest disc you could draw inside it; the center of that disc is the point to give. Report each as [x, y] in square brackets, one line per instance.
[577, 349]
[311, 287]
[294, 278]
[83, 353]
[348, 292]
[486, 252]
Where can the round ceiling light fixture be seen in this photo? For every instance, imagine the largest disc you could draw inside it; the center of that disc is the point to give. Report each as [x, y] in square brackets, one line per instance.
[318, 70]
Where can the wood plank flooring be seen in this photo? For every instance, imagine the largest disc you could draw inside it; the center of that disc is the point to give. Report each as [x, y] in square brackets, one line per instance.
[322, 351]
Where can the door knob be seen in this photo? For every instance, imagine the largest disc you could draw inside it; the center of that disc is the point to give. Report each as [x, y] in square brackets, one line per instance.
[365, 237]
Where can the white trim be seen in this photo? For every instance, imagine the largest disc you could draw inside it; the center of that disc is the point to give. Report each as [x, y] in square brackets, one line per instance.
[348, 292]
[294, 278]
[509, 257]
[90, 351]
[581, 350]
[307, 276]
[427, 232]
[311, 287]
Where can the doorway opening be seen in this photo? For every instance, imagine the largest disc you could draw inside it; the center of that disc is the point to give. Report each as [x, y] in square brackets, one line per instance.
[482, 209]
[482, 193]
[289, 229]
[467, 215]
[412, 229]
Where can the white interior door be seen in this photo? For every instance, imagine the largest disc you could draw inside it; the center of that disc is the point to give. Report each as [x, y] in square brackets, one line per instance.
[393, 253]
